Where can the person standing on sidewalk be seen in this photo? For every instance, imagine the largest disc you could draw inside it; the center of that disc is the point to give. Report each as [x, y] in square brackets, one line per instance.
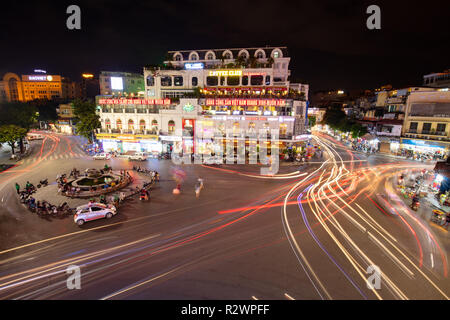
[17, 188]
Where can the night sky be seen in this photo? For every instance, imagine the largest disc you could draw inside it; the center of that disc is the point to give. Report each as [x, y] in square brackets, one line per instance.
[328, 42]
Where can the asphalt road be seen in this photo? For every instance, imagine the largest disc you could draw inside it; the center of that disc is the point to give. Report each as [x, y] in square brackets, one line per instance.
[305, 233]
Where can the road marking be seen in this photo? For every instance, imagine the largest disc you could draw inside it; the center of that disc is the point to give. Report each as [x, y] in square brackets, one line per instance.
[432, 260]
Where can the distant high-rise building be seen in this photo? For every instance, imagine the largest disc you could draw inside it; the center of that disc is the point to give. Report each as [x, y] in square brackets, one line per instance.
[36, 86]
[437, 80]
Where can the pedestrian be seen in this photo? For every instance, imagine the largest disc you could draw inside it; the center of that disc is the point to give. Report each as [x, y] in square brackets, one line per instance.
[197, 189]
[122, 197]
[17, 188]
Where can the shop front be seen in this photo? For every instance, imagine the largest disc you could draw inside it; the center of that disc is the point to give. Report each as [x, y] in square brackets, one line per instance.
[123, 143]
[420, 148]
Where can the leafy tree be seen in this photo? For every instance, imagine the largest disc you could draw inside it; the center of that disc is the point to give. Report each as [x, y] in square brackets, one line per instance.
[87, 120]
[334, 117]
[312, 121]
[11, 133]
[21, 114]
[46, 109]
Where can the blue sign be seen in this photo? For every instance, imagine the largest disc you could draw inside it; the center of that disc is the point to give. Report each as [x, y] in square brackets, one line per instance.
[193, 66]
[422, 143]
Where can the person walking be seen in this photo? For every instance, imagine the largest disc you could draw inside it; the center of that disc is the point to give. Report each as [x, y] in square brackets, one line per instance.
[17, 188]
[121, 197]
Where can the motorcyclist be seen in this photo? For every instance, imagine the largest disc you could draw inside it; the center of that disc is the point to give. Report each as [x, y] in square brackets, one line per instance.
[415, 200]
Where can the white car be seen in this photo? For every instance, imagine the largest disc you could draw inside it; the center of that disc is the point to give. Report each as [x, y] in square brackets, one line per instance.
[93, 211]
[138, 156]
[102, 156]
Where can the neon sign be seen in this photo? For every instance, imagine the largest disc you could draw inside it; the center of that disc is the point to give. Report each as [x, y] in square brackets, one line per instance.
[193, 66]
[224, 73]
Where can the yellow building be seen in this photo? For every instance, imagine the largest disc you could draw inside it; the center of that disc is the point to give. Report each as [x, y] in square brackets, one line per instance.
[37, 86]
[426, 127]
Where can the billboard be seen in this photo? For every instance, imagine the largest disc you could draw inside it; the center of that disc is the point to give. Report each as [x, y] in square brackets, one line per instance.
[116, 83]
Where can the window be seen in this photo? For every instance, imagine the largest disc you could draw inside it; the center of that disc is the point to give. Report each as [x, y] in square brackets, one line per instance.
[267, 80]
[227, 55]
[142, 125]
[119, 124]
[233, 81]
[212, 81]
[166, 81]
[209, 56]
[108, 124]
[441, 127]
[150, 81]
[245, 80]
[178, 81]
[276, 54]
[256, 80]
[426, 127]
[194, 57]
[171, 126]
[194, 81]
[413, 127]
[283, 129]
[259, 55]
[130, 124]
[178, 57]
[222, 81]
[96, 209]
[154, 125]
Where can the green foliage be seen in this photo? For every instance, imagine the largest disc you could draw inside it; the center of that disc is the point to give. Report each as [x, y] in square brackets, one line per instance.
[312, 121]
[336, 119]
[18, 113]
[46, 109]
[11, 133]
[87, 120]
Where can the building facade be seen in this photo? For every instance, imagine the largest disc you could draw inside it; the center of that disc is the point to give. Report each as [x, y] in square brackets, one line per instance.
[37, 86]
[114, 83]
[205, 91]
[426, 127]
[437, 80]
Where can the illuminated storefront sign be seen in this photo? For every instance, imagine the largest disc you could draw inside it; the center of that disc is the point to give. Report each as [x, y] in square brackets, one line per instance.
[125, 137]
[135, 101]
[193, 66]
[225, 73]
[245, 102]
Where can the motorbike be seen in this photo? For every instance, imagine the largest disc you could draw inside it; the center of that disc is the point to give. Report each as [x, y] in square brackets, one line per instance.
[415, 205]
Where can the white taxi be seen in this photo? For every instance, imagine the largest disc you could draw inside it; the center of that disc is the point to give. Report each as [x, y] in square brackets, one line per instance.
[102, 156]
[93, 211]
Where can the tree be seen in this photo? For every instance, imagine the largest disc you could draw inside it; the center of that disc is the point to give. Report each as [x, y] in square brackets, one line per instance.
[87, 120]
[21, 114]
[312, 121]
[334, 117]
[11, 133]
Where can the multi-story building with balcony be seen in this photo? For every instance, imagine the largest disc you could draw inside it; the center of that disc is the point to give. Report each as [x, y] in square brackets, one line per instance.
[220, 90]
[437, 80]
[426, 127]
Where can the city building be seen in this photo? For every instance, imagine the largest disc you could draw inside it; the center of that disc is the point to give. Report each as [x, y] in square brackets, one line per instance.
[65, 118]
[36, 86]
[204, 91]
[121, 84]
[437, 80]
[89, 86]
[426, 127]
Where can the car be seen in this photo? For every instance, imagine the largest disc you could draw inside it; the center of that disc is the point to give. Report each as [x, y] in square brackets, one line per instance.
[138, 156]
[93, 211]
[102, 156]
[213, 160]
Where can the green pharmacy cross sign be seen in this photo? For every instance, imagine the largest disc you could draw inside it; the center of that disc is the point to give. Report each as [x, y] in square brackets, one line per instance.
[188, 107]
